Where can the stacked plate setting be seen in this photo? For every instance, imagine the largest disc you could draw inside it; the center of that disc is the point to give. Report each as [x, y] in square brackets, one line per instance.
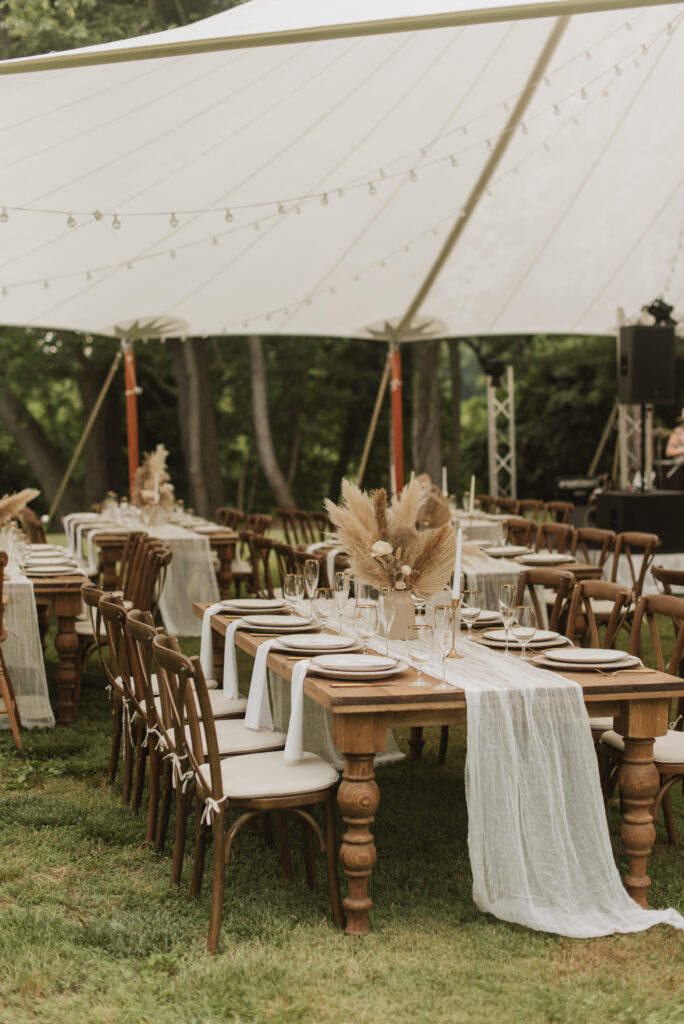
[542, 638]
[277, 624]
[256, 606]
[586, 659]
[317, 643]
[506, 550]
[486, 618]
[353, 667]
[546, 558]
[47, 560]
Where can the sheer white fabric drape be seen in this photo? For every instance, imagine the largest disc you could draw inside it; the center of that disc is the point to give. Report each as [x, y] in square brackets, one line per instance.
[190, 578]
[24, 656]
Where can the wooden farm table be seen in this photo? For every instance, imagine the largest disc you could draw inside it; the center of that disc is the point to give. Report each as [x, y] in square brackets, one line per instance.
[62, 594]
[363, 712]
[111, 547]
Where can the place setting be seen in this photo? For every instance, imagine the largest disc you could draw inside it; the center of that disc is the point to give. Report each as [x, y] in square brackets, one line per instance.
[541, 558]
[590, 659]
[357, 669]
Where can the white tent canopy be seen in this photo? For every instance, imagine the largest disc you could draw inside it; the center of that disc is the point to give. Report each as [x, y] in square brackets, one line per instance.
[307, 187]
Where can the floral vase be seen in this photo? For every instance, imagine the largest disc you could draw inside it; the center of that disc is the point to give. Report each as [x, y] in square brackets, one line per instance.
[404, 615]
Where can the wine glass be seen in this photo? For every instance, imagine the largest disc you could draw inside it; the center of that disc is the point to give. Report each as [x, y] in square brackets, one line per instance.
[323, 604]
[312, 569]
[419, 647]
[341, 593]
[507, 607]
[443, 636]
[365, 623]
[525, 626]
[470, 609]
[387, 609]
[293, 589]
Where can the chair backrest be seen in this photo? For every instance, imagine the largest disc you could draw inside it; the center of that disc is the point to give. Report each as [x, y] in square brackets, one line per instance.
[587, 540]
[260, 550]
[520, 531]
[553, 537]
[668, 578]
[113, 614]
[486, 502]
[131, 553]
[302, 557]
[3, 562]
[140, 631]
[149, 574]
[628, 545]
[582, 617]
[320, 524]
[33, 528]
[258, 523]
[533, 506]
[285, 561]
[649, 607]
[506, 505]
[558, 511]
[229, 517]
[559, 580]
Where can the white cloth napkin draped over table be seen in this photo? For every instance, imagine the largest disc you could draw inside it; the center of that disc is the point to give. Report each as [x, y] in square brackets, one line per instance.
[230, 673]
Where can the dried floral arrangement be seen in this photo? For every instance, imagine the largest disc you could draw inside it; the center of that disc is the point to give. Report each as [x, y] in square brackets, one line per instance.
[11, 505]
[151, 483]
[385, 547]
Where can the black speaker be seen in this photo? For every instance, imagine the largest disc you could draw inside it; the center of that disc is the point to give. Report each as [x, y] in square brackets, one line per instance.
[660, 512]
[646, 365]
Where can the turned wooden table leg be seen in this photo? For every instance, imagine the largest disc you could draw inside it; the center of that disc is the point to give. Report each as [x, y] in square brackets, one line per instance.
[226, 554]
[416, 743]
[638, 780]
[358, 798]
[108, 562]
[67, 607]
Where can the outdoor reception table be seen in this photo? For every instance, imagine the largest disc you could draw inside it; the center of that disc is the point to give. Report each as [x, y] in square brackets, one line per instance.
[363, 712]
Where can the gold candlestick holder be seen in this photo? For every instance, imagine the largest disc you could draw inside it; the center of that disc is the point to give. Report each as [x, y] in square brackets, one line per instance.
[453, 653]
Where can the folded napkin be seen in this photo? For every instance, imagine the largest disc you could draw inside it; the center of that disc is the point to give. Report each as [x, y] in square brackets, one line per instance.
[311, 548]
[330, 565]
[206, 646]
[230, 672]
[258, 714]
[294, 745]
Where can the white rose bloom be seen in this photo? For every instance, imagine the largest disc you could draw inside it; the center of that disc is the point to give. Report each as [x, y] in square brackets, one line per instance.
[406, 570]
[381, 547]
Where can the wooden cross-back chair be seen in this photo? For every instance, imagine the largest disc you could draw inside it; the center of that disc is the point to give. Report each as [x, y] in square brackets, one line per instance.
[556, 537]
[592, 544]
[284, 559]
[668, 750]
[533, 506]
[258, 522]
[302, 557]
[32, 526]
[505, 505]
[629, 544]
[261, 582]
[558, 511]
[9, 701]
[520, 531]
[295, 526]
[252, 784]
[560, 581]
[319, 525]
[486, 502]
[229, 517]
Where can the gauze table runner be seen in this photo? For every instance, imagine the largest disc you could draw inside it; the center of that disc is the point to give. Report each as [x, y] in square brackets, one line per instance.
[23, 653]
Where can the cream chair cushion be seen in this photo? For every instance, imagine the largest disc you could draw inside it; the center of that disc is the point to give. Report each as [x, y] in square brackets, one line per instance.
[668, 749]
[269, 775]
[234, 737]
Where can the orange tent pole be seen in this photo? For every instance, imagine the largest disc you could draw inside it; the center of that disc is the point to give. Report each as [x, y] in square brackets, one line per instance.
[397, 418]
[132, 392]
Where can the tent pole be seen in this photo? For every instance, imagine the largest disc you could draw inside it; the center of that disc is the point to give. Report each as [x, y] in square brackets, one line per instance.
[374, 421]
[84, 436]
[397, 417]
[489, 169]
[132, 392]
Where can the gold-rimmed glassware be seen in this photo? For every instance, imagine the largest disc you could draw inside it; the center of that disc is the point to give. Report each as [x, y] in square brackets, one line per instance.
[443, 637]
[365, 623]
[470, 609]
[507, 607]
[524, 627]
[387, 609]
[293, 589]
[420, 648]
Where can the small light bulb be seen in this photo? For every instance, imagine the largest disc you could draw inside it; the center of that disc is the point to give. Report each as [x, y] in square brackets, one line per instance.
[523, 128]
[229, 216]
[324, 199]
[281, 208]
[172, 255]
[4, 215]
[4, 291]
[46, 285]
[556, 110]
[116, 223]
[71, 221]
[453, 161]
[583, 94]
[412, 175]
[97, 215]
[214, 241]
[173, 222]
[490, 145]
[371, 188]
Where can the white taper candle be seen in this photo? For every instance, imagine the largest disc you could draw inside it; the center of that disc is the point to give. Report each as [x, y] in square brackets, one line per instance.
[456, 589]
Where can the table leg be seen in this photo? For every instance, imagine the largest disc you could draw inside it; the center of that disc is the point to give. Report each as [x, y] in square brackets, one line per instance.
[416, 743]
[67, 607]
[358, 798]
[108, 561]
[638, 780]
[226, 554]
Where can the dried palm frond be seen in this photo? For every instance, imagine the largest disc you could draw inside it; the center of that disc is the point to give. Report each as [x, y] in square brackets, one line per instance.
[380, 510]
[12, 504]
[151, 480]
[406, 506]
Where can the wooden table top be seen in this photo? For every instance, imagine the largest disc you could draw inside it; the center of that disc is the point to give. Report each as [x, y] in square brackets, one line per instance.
[397, 695]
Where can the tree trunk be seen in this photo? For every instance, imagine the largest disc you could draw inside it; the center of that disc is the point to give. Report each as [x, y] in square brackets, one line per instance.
[425, 434]
[197, 424]
[454, 458]
[262, 426]
[41, 455]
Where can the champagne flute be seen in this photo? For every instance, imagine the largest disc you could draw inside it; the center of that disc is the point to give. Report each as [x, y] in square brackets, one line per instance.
[312, 569]
[341, 593]
[525, 627]
[507, 607]
[419, 647]
[365, 623]
[470, 609]
[443, 636]
[293, 589]
[387, 609]
[323, 604]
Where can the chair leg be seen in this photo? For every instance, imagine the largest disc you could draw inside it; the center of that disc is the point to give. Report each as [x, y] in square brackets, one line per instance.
[218, 827]
[331, 864]
[153, 799]
[164, 807]
[128, 765]
[284, 844]
[201, 832]
[668, 814]
[309, 861]
[267, 829]
[11, 710]
[116, 741]
[141, 758]
[179, 842]
[443, 744]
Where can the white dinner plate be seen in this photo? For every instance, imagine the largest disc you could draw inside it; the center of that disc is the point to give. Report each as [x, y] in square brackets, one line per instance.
[546, 558]
[540, 635]
[543, 661]
[280, 630]
[55, 570]
[208, 528]
[319, 641]
[587, 656]
[276, 621]
[52, 559]
[354, 663]
[506, 550]
[372, 677]
[255, 604]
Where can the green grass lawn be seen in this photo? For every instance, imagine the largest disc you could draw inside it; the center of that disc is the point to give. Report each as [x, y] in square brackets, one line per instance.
[90, 931]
